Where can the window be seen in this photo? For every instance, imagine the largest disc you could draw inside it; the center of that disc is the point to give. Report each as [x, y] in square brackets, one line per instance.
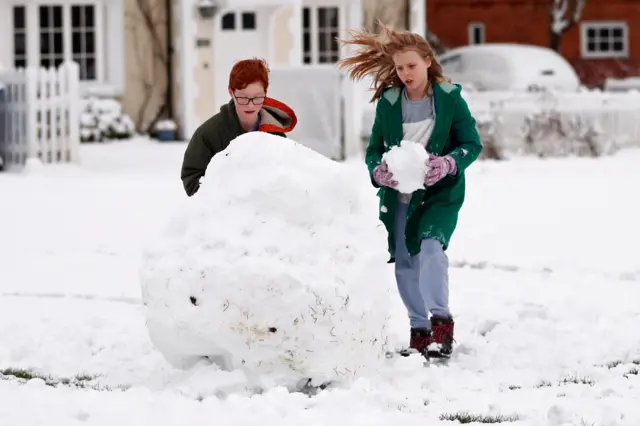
[306, 35]
[229, 21]
[605, 39]
[476, 33]
[19, 37]
[51, 36]
[63, 32]
[248, 21]
[319, 33]
[83, 40]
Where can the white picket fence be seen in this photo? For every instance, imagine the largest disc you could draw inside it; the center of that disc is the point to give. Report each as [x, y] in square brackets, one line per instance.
[39, 114]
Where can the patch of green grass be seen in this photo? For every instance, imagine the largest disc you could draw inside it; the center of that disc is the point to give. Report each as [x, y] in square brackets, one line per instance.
[24, 375]
[577, 380]
[514, 387]
[81, 380]
[633, 372]
[614, 364]
[19, 373]
[544, 384]
[465, 418]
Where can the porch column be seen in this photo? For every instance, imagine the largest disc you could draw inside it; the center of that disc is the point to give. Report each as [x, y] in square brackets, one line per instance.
[418, 17]
[353, 91]
[186, 13]
[295, 28]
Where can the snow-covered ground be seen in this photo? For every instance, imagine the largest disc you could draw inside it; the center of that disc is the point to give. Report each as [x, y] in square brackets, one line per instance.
[545, 283]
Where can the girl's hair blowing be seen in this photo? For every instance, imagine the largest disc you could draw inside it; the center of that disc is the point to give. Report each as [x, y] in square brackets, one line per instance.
[376, 57]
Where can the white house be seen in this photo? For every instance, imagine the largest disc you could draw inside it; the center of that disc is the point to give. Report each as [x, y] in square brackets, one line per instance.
[48, 32]
[296, 37]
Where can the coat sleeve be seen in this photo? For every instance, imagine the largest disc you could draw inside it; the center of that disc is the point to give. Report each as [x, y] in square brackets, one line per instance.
[376, 148]
[197, 156]
[465, 136]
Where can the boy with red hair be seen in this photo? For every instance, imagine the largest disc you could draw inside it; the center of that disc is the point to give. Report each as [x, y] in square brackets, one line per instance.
[249, 109]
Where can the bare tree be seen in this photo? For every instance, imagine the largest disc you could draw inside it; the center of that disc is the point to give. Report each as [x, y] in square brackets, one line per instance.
[389, 12]
[394, 14]
[564, 15]
[149, 27]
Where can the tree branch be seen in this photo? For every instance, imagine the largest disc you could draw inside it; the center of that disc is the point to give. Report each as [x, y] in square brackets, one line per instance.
[148, 26]
[562, 21]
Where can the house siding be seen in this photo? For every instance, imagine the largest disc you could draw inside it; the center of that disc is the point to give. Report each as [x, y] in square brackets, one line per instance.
[527, 22]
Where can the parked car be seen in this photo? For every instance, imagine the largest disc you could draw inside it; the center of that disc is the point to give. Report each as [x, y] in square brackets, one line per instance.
[512, 67]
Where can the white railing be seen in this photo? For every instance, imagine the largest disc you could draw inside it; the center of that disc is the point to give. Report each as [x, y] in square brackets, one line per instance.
[39, 114]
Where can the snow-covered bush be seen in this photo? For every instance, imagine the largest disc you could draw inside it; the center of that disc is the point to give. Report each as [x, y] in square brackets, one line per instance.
[103, 119]
[488, 122]
[487, 127]
[548, 123]
[276, 266]
[548, 133]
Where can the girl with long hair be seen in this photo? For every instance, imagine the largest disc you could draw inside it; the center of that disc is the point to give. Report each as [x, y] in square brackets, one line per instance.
[416, 102]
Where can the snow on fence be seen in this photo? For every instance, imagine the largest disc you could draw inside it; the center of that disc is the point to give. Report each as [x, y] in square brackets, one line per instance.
[39, 115]
[549, 123]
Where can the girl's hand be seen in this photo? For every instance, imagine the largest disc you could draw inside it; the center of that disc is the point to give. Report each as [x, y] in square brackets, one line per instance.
[383, 176]
[439, 168]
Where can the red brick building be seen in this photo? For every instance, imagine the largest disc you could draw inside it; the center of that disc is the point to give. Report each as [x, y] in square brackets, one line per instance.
[604, 43]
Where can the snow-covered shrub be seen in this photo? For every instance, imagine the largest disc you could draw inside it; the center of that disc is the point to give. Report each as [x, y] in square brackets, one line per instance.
[103, 119]
[276, 266]
[548, 133]
[547, 123]
[487, 124]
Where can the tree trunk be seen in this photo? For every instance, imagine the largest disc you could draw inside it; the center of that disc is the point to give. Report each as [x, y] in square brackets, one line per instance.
[555, 41]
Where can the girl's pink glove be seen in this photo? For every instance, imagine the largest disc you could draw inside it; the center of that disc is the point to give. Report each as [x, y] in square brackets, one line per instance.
[383, 176]
[439, 168]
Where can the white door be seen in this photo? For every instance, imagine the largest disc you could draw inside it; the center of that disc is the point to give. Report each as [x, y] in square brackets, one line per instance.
[238, 34]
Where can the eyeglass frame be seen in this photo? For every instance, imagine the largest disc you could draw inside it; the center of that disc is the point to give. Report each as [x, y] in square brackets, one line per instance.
[250, 100]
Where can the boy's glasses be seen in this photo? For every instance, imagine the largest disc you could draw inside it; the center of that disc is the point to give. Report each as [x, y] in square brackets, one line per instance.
[257, 100]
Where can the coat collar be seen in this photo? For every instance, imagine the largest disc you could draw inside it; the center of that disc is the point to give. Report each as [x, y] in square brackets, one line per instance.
[392, 94]
[444, 103]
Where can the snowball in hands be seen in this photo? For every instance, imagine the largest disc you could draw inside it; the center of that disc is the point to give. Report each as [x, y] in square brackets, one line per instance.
[408, 163]
[276, 267]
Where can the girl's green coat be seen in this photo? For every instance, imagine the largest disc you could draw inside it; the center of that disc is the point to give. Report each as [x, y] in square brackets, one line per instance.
[433, 211]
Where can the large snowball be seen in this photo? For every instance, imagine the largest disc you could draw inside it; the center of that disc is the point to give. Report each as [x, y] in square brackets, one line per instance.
[408, 163]
[276, 266]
